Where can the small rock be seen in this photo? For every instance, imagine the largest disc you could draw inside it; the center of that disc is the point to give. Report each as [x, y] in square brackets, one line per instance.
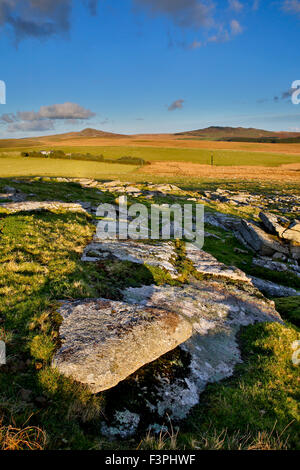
[279, 257]
[240, 251]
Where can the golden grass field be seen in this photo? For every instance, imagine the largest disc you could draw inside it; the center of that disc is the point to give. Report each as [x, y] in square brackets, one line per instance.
[283, 173]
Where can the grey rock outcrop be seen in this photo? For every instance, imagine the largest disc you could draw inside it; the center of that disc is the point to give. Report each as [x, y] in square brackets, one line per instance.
[273, 265]
[292, 233]
[105, 341]
[270, 221]
[260, 241]
[272, 289]
[205, 263]
[158, 254]
[28, 206]
[216, 313]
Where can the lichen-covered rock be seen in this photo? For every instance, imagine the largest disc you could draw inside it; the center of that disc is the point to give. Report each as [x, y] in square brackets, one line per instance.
[158, 254]
[224, 221]
[105, 341]
[27, 206]
[216, 312]
[205, 263]
[124, 424]
[272, 289]
[274, 265]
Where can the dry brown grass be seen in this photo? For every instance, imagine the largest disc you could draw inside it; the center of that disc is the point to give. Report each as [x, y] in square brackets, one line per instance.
[213, 440]
[284, 173]
[26, 438]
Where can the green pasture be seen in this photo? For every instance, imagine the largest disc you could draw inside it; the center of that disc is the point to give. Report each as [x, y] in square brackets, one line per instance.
[20, 166]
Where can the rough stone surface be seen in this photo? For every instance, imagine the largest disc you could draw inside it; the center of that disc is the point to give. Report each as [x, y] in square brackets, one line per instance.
[273, 290]
[292, 233]
[125, 424]
[205, 263]
[216, 313]
[270, 221]
[104, 341]
[295, 250]
[41, 205]
[261, 241]
[224, 221]
[159, 254]
[281, 203]
[273, 265]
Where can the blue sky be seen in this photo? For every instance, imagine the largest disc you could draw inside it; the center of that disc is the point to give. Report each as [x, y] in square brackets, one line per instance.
[135, 66]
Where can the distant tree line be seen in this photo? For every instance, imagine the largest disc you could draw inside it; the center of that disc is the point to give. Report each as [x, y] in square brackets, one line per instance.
[60, 154]
[263, 140]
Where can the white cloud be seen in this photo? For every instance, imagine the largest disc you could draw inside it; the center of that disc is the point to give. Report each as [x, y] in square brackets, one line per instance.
[56, 111]
[45, 118]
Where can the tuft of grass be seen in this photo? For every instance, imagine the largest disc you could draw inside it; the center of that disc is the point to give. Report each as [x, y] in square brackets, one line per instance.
[26, 438]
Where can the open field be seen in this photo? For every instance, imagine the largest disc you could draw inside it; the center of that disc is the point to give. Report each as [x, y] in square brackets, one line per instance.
[283, 173]
[201, 156]
[164, 163]
[18, 166]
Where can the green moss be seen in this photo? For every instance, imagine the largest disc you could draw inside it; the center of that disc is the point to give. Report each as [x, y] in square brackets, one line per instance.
[289, 309]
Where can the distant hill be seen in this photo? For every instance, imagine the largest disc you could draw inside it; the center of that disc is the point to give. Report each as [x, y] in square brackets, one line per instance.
[240, 134]
[87, 133]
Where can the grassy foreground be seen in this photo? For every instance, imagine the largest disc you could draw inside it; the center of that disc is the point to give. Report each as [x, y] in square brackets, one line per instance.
[258, 408]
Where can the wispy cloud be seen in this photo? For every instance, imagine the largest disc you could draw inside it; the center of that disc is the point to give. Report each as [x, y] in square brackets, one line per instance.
[184, 13]
[291, 6]
[226, 34]
[235, 5]
[284, 95]
[255, 5]
[31, 126]
[39, 18]
[178, 104]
